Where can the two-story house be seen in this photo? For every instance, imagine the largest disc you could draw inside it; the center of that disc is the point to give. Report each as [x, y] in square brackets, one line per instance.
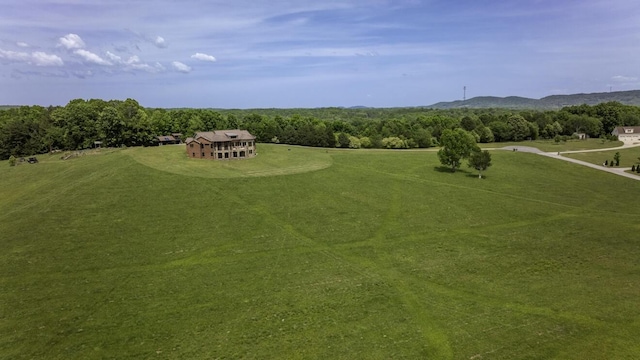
[222, 145]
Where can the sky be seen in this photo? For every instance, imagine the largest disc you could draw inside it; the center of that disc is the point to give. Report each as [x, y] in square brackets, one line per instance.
[302, 53]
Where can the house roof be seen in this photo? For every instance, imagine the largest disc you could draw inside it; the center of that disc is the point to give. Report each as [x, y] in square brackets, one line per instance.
[621, 130]
[224, 135]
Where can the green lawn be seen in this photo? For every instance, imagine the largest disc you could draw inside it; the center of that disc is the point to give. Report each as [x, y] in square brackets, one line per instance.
[628, 156]
[552, 146]
[131, 254]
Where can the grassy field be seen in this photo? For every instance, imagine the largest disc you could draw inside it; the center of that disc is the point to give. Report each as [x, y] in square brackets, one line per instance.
[143, 253]
[552, 146]
[628, 157]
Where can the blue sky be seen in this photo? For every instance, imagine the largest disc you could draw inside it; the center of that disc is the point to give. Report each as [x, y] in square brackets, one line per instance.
[294, 53]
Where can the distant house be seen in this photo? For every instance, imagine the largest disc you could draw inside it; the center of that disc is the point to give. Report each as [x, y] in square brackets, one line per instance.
[222, 145]
[627, 134]
[178, 137]
[167, 140]
[580, 136]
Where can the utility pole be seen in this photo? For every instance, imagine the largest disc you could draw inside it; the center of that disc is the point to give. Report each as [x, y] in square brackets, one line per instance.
[464, 93]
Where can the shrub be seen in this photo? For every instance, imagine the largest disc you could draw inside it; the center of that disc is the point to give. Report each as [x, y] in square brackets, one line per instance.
[365, 142]
[343, 140]
[394, 143]
[354, 142]
[12, 160]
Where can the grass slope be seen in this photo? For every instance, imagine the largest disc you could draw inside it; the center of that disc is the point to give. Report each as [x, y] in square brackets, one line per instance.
[552, 146]
[628, 157]
[380, 255]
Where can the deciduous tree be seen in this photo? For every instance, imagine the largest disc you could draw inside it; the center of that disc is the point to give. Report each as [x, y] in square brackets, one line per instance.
[456, 145]
[480, 160]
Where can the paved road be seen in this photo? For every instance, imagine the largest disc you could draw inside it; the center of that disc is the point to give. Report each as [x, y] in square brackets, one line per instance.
[558, 155]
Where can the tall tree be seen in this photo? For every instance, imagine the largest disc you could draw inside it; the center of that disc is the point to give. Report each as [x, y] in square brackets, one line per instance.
[519, 128]
[456, 145]
[111, 126]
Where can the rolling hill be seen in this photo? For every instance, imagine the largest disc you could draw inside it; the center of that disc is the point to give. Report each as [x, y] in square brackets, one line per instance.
[552, 102]
[308, 253]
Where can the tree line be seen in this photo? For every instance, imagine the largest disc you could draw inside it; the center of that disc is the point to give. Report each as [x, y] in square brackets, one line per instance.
[29, 130]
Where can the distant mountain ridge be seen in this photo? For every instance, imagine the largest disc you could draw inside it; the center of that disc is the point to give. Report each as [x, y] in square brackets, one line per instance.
[552, 102]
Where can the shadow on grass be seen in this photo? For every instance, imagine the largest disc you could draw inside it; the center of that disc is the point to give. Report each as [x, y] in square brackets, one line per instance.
[446, 169]
[475, 176]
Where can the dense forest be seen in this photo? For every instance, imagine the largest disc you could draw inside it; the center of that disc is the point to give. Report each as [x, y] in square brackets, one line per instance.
[29, 130]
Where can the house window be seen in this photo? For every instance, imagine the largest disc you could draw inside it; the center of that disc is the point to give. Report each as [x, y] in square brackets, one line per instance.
[242, 154]
[235, 154]
[190, 145]
[211, 154]
[250, 152]
[244, 143]
[226, 155]
[219, 155]
[202, 154]
[201, 146]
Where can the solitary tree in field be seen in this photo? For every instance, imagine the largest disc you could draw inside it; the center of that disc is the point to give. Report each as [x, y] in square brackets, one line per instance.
[480, 160]
[456, 145]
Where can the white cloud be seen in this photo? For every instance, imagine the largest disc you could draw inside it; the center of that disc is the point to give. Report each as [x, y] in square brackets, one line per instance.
[620, 78]
[71, 41]
[37, 58]
[203, 57]
[134, 63]
[113, 57]
[88, 56]
[14, 55]
[159, 42]
[133, 60]
[43, 59]
[183, 68]
[22, 44]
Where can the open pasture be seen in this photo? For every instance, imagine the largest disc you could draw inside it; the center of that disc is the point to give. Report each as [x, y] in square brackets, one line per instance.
[143, 253]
